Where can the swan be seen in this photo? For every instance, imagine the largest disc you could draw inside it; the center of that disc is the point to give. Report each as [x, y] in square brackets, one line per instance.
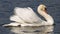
[27, 17]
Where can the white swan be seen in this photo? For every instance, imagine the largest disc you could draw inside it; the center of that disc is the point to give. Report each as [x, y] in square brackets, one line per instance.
[27, 17]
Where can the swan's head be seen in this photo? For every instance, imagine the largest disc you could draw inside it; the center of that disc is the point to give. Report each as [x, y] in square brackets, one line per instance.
[42, 7]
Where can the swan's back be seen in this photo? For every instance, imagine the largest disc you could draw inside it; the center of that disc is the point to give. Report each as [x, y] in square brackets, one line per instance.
[27, 15]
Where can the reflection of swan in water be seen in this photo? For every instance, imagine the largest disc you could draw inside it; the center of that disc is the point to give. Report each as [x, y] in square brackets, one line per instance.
[27, 17]
[33, 30]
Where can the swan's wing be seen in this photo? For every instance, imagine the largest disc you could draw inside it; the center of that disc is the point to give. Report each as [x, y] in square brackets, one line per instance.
[16, 19]
[27, 15]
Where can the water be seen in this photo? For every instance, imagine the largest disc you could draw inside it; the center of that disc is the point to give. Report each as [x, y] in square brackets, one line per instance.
[6, 10]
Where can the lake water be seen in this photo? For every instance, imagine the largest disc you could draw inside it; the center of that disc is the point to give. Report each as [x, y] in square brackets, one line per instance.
[7, 8]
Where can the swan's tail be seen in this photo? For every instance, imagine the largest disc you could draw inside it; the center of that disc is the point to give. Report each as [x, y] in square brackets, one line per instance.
[12, 24]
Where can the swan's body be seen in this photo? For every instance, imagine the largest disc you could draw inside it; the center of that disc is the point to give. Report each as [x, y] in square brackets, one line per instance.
[27, 17]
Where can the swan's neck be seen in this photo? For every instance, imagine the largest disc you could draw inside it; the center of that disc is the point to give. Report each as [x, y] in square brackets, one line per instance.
[48, 18]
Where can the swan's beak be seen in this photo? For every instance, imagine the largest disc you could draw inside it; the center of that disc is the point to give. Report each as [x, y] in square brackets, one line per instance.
[45, 9]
